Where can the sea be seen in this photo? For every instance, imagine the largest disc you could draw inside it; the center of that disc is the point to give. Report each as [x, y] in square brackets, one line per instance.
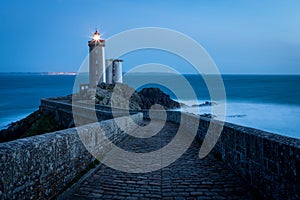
[267, 102]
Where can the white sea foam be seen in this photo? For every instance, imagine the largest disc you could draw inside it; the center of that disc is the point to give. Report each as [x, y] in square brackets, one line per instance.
[275, 118]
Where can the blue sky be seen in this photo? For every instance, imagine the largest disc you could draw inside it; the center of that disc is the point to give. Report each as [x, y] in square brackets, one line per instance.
[260, 37]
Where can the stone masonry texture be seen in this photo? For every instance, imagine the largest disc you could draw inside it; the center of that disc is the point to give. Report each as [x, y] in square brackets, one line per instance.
[187, 178]
[40, 167]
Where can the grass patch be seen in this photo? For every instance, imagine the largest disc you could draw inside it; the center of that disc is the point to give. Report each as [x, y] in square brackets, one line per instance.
[34, 124]
[100, 97]
[44, 124]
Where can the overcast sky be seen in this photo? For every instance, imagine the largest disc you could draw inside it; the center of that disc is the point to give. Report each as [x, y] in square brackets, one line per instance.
[256, 36]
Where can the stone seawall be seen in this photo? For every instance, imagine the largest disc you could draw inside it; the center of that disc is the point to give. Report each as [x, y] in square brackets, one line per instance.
[85, 113]
[268, 162]
[39, 167]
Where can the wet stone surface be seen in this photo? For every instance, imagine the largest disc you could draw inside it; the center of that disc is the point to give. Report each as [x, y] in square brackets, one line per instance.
[187, 178]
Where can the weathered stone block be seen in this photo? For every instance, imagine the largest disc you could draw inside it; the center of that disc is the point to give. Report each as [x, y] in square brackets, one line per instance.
[40, 166]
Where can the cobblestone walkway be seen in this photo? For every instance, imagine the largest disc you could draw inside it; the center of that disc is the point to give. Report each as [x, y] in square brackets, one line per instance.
[187, 178]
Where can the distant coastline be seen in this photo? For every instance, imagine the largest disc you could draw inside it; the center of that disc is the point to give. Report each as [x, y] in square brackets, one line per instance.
[39, 73]
[141, 73]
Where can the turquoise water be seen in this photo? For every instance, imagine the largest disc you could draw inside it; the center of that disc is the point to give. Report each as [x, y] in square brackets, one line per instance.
[271, 103]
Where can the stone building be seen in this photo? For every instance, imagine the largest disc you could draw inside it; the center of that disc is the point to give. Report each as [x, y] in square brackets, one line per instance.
[101, 69]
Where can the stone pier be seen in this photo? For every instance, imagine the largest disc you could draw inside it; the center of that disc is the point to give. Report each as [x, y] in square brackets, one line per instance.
[187, 178]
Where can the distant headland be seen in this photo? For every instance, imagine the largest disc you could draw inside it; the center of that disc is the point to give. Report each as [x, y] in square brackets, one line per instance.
[39, 73]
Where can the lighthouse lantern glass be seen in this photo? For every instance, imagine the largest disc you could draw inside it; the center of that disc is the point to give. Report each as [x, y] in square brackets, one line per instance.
[96, 37]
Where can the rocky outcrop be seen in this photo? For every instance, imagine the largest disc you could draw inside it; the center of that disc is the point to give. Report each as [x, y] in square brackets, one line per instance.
[208, 115]
[151, 96]
[117, 95]
[34, 124]
[206, 103]
[122, 94]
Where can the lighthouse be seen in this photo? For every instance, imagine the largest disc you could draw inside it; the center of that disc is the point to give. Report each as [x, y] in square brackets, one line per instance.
[101, 69]
[96, 60]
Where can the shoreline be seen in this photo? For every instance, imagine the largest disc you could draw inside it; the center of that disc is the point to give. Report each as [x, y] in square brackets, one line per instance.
[14, 118]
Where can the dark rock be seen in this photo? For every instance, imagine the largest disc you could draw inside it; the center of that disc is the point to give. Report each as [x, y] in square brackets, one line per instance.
[106, 86]
[151, 96]
[208, 115]
[34, 124]
[123, 93]
[206, 103]
[234, 116]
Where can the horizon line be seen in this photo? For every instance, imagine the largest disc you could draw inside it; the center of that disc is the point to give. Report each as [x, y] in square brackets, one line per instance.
[75, 73]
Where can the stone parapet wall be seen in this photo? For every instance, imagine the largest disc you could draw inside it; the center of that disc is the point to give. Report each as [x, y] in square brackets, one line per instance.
[269, 162]
[39, 167]
[84, 113]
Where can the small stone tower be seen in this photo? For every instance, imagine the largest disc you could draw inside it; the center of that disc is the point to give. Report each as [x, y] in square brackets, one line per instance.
[96, 60]
[109, 71]
[117, 71]
[114, 71]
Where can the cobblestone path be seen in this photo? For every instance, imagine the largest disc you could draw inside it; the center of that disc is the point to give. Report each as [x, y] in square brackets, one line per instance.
[187, 178]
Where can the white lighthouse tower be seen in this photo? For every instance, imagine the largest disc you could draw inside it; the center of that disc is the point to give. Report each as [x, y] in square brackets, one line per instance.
[101, 70]
[96, 60]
